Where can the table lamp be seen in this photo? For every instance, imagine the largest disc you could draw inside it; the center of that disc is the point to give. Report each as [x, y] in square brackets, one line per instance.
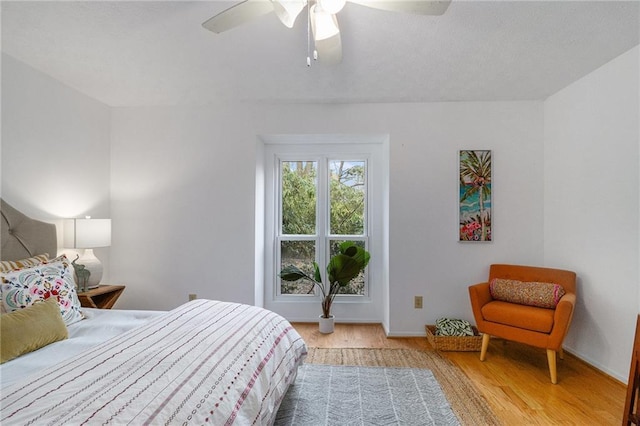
[88, 234]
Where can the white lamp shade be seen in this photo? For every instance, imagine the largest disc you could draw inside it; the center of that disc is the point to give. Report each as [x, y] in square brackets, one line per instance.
[87, 233]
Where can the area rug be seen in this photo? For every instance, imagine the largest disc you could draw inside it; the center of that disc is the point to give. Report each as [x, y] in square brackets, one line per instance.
[350, 395]
[466, 402]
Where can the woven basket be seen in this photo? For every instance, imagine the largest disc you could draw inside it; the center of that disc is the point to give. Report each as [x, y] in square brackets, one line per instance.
[454, 343]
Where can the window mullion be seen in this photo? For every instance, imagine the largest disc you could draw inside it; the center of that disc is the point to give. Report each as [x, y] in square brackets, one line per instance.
[322, 215]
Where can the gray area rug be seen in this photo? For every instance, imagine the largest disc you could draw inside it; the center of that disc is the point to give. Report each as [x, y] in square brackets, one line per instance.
[344, 395]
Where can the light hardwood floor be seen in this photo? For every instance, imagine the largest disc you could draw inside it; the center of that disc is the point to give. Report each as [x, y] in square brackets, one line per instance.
[514, 379]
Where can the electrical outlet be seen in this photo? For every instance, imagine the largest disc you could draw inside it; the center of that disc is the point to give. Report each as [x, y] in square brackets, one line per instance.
[193, 296]
[417, 302]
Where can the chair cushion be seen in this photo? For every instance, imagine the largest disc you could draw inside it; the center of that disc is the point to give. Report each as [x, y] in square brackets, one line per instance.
[520, 316]
[543, 295]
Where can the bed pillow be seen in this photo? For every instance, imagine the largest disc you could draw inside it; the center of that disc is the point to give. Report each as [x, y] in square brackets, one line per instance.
[542, 295]
[24, 287]
[12, 265]
[31, 328]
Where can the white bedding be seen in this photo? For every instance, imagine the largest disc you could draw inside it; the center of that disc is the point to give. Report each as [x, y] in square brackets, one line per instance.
[98, 326]
[204, 362]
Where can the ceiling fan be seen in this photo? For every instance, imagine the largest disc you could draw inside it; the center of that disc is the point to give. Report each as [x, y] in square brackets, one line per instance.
[321, 18]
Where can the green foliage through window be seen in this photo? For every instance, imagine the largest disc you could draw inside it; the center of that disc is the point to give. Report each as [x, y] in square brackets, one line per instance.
[347, 183]
[299, 197]
[345, 211]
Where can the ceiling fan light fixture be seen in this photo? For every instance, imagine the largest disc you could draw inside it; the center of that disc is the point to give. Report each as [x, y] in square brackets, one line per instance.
[288, 10]
[321, 19]
[324, 24]
[332, 6]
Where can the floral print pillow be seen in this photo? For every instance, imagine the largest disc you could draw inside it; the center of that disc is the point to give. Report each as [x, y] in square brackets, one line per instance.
[23, 287]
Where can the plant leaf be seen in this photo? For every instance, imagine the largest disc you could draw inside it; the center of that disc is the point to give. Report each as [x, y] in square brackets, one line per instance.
[316, 272]
[358, 253]
[291, 273]
[343, 269]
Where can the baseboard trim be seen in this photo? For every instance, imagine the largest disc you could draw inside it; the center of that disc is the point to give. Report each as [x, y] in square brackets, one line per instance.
[596, 367]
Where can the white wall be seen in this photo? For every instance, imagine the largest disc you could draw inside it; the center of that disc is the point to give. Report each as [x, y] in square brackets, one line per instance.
[591, 180]
[55, 148]
[183, 197]
[182, 205]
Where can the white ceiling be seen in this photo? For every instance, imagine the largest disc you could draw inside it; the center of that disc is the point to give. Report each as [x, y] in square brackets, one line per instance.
[157, 53]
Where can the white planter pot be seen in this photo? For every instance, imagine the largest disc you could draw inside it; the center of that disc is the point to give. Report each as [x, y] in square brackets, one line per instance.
[326, 324]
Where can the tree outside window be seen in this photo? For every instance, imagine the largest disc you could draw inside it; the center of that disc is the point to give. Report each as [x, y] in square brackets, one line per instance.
[316, 216]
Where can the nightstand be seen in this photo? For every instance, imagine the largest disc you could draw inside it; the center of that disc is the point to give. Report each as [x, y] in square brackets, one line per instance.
[101, 297]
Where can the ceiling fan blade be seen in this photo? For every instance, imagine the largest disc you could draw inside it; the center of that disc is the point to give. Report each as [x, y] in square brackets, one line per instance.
[417, 7]
[237, 15]
[326, 35]
[330, 50]
[288, 10]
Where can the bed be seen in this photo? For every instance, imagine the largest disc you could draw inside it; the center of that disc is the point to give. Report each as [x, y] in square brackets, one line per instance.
[204, 362]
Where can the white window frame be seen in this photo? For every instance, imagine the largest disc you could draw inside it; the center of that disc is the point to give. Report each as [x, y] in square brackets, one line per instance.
[322, 220]
[351, 308]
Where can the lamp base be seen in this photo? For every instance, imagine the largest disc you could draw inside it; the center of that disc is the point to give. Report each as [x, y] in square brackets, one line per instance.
[94, 266]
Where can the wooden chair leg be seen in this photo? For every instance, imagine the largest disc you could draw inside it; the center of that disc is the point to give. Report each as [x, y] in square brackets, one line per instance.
[485, 345]
[551, 358]
[561, 353]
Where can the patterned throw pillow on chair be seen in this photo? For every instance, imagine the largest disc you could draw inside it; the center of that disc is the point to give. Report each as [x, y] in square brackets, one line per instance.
[542, 295]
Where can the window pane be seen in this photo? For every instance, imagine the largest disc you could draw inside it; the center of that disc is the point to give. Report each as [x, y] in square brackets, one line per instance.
[347, 192]
[300, 254]
[299, 197]
[356, 286]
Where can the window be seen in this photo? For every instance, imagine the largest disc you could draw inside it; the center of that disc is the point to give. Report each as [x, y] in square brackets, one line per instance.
[319, 192]
[322, 202]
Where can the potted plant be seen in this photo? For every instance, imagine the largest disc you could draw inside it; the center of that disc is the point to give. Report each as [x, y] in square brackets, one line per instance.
[342, 268]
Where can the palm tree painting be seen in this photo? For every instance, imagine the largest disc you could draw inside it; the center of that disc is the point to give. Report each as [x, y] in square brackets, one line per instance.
[475, 195]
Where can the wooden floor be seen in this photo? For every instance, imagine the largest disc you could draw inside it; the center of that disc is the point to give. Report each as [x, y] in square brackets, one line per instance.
[514, 379]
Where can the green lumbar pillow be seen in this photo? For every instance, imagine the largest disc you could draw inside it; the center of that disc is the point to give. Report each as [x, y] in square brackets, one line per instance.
[31, 328]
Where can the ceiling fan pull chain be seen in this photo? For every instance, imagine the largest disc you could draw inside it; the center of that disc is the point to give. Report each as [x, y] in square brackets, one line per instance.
[308, 36]
[315, 52]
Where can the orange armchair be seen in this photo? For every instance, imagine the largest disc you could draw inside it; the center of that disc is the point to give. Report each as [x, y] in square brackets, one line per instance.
[540, 327]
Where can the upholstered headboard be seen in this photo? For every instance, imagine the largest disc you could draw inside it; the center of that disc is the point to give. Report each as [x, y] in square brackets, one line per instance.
[24, 237]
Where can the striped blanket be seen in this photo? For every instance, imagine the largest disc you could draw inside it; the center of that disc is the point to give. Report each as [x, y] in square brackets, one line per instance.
[205, 362]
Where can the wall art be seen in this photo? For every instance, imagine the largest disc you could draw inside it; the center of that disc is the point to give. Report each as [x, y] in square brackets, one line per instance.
[474, 205]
